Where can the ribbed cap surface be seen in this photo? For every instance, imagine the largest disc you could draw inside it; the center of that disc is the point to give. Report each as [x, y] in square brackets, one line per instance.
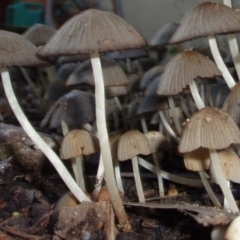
[90, 31]
[39, 34]
[205, 19]
[232, 103]
[16, 51]
[131, 144]
[78, 142]
[183, 69]
[209, 128]
[230, 163]
[113, 74]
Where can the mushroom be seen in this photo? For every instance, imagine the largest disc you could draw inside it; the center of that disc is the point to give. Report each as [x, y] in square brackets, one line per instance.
[131, 144]
[209, 19]
[75, 144]
[16, 51]
[94, 31]
[214, 129]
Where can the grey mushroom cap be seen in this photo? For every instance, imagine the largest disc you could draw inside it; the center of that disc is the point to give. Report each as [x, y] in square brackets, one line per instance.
[90, 31]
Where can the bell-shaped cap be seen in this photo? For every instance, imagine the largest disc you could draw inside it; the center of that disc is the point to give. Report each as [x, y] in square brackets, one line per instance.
[209, 128]
[232, 103]
[74, 108]
[38, 34]
[230, 164]
[78, 142]
[113, 74]
[131, 144]
[208, 18]
[184, 68]
[156, 140]
[90, 31]
[17, 51]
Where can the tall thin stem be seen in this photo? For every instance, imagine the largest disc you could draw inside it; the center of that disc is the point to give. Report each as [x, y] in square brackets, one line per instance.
[104, 144]
[35, 137]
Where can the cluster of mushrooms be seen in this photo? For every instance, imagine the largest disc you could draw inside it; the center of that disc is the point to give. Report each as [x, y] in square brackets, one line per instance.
[183, 98]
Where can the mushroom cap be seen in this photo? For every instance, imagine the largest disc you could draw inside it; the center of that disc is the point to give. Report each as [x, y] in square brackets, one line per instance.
[65, 70]
[78, 142]
[164, 34]
[209, 128]
[152, 104]
[38, 34]
[75, 108]
[233, 231]
[184, 68]
[116, 91]
[16, 51]
[133, 53]
[231, 104]
[230, 163]
[113, 74]
[208, 18]
[156, 140]
[131, 144]
[90, 31]
[197, 160]
[150, 75]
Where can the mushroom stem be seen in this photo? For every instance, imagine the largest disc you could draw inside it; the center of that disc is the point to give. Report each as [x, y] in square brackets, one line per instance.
[104, 144]
[233, 45]
[170, 176]
[159, 176]
[76, 163]
[219, 61]
[144, 124]
[184, 106]
[137, 179]
[35, 137]
[174, 115]
[196, 96]
[118, 174]
[209, 189]
[167, 126]
[222, 181]
[99, 178]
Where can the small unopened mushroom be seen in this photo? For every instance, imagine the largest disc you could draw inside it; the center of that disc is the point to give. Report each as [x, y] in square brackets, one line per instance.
[75, 144]
[131, 144]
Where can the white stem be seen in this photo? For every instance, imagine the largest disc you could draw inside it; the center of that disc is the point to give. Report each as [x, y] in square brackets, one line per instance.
[99, 178]
[220, 63]
[209, 189]
[225, 203]
[159, 176]
[118, 174]
[202, 93]
[167, 126]
[50, 73]
[77, 166]
[222, 181]
[174, 115]
[184, 106]
[104, 143]
[137, 179]
[76, 162]
[144, 125]
[195, 94]
[169, 176]
[35, 137]
[233, 45]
